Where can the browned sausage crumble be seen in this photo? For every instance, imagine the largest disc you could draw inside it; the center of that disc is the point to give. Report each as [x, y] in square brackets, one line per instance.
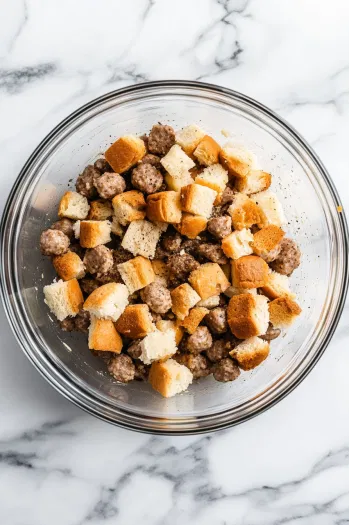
[204, 264]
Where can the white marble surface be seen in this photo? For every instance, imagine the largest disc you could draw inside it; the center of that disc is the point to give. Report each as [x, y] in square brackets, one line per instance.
[61, 466]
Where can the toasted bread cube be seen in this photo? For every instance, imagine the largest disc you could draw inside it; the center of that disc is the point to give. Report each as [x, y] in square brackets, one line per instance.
[189, 137]
[283, 312]
[176, 183]
[170, 378]
[100, 210]
[107, 301]
[164, 206]
[64, 298]
[129, 206]
[183, 299]
[191, 225]
[135, 322]
[161, 271]
[125, 153]
[94, 233]
[266, 242]
[233, 290]
[277, 285]
[208, 280]
[237, 160]
[141, 238]
[244, 212]
[248, 315]
[116, 228]
[210, 302]
[250, 353]
[214, 177]
[69, 266]
[136, 273]
[102, 336]
[249, 271]
[73, 206]
[166, 324]
[198, 200]
[238, 244]
[177, 163]
[271, 209]
[158, 346]
[254, 182]
[192, 321]
[207, 151]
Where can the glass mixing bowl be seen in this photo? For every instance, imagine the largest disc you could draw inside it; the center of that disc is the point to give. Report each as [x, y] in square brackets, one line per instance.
[310, 202]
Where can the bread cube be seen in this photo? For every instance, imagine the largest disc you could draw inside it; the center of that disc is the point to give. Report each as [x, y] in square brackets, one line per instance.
[166, 324]
[69, 266]
[249, 271]
[129, 206]
[266, 242]
[238, 244]
[208, 280]
[189, 137]
[158, 346]
[170, 378]
[210, 302]
[125, 153]
[102, 336]
[116, 228]
[271, 209]
[136, 273]
[237, 160]
[64, 298]
[191, 225]
[248, 315]
[233, 290]
[176, 183]
[283, 312]
[107, 301]
[100, 210]
[250, 353]
[141, 238]
[73, 206]
[244, 212]
[164, 206]
[198, 200]
[214, 177]
[183, 299]
[94, 233]
[177, 163]
[135, 322]
[277, 285]
[192, 321]
[254, 182]
[207, 151]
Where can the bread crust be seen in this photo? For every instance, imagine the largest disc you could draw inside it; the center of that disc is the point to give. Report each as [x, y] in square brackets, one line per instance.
[164, 206]
[244, 214]
[136, 273]
[254, 182]
[236, 164]
[184, 297]
[159, 378]
[100, 210]
[66, 201]
[97, 298]
[103, 336]
[192, 225]
[249, 358]
[208, 280]
[283, 311]
[74, 296]
[125, 153]
[192, 321]
[135, 322]
[249, 271]
[267, 239]
[240, 316]
[207, 151]
[94, 233]
[69, 266]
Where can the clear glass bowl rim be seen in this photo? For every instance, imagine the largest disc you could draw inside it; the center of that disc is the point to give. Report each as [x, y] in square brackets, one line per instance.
[85, 399]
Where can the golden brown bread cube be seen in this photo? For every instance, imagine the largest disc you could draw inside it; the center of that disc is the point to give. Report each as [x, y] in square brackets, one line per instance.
[164, 206]
[208, 280]
[135, 322]
[249, 271]
[125, 153]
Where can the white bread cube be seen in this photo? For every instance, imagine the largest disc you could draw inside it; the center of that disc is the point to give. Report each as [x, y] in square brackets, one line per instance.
[166, 324]
[250, 353]
[129, 206]
[141, 238]
[233, 290]
[116, 228]
[189, 137]
[73, 206]
[248, 315]
[237, 160]
[94, 233]
[69, 266]
[184, 297]
[238, 244]
[271, 208]
[125, 153]
[157, 345]
[177, 163]
[198, 200]
[107, 301]
[176, 183]
[210, 302]
[103, 336]
[161, 271]
[254, 182]
[170, 378]
[136, 273]
[64, 298]
[277, 285]
[214, 177]
[244, 212]
[283, 312]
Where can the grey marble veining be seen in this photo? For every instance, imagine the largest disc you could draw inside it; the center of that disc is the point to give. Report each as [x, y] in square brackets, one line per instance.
[289, 465]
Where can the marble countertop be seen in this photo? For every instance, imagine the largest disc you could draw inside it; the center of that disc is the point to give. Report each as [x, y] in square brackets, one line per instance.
[288, 466]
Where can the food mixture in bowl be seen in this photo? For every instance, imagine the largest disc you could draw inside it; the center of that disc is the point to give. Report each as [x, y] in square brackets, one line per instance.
[172, 256]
